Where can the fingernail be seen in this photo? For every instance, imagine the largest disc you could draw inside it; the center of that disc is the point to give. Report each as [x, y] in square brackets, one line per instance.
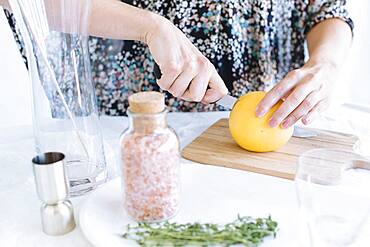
[286, 123]
[306, 120]
[272, 123]
[260, 112]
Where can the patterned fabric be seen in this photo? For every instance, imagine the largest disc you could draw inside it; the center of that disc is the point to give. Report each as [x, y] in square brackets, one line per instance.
[253, 44]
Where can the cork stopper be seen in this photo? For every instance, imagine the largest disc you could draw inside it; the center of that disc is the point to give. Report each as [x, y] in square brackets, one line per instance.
[147, 102]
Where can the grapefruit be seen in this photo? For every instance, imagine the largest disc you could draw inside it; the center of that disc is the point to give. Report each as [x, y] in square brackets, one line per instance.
[253, 133]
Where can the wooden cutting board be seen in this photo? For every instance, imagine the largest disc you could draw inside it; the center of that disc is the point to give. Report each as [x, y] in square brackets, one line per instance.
[216, 147]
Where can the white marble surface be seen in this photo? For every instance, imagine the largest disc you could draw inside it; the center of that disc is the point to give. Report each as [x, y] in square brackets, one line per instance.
[19, 207]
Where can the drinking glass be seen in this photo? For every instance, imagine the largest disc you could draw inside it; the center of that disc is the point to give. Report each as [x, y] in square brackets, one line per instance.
[333, 188]
[65, 114]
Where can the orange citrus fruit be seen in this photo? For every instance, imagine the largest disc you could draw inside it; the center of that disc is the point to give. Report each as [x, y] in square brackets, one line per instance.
[253, 133]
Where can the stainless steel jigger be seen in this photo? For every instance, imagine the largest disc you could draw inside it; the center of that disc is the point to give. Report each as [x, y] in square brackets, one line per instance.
[52, 188]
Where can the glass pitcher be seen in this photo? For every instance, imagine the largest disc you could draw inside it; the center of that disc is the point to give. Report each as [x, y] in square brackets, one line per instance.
[65, 114]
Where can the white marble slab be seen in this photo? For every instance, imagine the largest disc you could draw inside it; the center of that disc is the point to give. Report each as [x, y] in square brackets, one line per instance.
[19, 207]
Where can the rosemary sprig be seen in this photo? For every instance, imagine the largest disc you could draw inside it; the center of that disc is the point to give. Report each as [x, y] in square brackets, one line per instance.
[244, 231]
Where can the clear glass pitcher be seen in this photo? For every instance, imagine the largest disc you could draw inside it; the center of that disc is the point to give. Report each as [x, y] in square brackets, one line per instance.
[65, 115]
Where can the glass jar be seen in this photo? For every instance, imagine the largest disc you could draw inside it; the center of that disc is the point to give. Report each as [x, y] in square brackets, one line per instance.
[150, 162]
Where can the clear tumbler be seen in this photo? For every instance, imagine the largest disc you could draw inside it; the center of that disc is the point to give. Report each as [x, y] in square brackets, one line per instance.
[333, 191]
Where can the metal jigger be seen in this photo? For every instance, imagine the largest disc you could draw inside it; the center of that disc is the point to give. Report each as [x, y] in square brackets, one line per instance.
[52, 188]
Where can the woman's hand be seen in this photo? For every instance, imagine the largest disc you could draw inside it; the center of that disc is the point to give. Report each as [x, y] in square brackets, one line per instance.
[305, 93]
[186, 72]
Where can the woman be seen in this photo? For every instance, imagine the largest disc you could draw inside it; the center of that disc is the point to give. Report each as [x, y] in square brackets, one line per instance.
[206, 48]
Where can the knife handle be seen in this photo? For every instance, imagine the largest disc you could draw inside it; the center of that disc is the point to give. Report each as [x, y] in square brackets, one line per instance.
[157, 71]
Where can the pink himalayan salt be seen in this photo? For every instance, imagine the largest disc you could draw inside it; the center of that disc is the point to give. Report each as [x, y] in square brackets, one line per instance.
[151, 175]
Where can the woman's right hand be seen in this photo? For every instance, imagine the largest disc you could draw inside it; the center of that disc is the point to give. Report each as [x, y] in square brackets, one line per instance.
[186, 72]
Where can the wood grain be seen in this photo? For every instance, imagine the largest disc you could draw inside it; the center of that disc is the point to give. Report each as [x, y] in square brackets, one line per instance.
[216, 147]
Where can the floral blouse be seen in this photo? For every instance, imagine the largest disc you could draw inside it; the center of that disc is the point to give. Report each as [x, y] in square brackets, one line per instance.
[253, 44]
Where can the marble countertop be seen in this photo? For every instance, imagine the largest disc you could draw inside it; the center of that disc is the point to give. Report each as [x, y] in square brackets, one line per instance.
[19, 208]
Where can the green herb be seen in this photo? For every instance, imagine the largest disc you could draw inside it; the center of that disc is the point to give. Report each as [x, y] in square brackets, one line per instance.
[244, 231]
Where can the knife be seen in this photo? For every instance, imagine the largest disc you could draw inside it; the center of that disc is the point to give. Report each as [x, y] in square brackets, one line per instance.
[229, 101]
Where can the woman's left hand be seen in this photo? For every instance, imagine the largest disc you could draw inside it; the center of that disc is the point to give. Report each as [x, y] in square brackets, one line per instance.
[305, 93]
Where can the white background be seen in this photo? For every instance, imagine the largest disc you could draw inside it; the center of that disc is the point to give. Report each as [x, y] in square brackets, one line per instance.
[353, 87]
[14, 85]
[356, 74]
